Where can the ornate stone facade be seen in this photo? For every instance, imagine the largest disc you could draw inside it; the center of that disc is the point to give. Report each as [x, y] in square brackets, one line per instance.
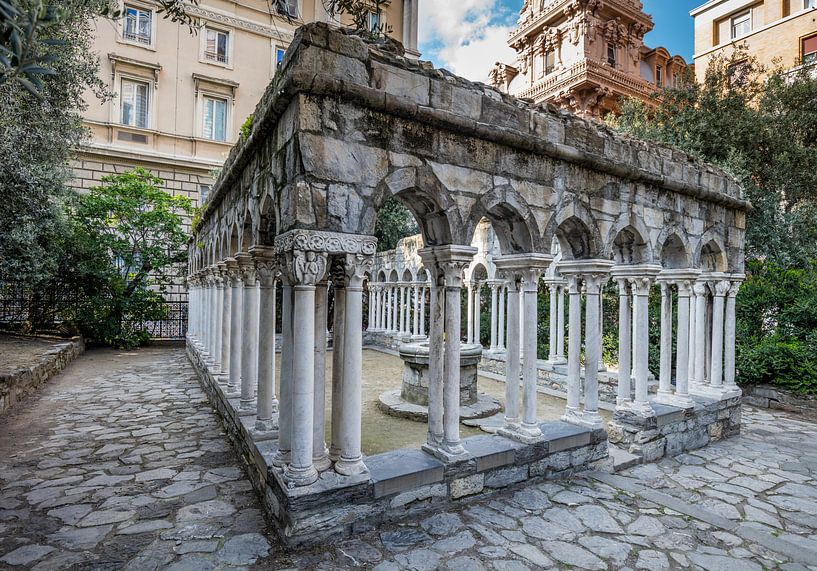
[584, 55]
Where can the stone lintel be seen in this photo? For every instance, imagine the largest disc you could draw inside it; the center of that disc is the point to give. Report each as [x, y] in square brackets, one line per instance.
[331, 243]
[521, 262]
[678, 275]
[583, 267]
[635, 271]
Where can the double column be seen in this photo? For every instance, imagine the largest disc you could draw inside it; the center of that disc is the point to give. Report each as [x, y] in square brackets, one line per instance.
[682, 281]
[266, 421]
[592, 274]
[304, 273]
[714, 358]
[522, 272]
[445, 265]
[249, 337]
[474, 332]
[556, 339]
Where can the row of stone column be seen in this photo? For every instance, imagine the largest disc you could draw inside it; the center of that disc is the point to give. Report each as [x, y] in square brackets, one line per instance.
[233, 323]
[398, 308]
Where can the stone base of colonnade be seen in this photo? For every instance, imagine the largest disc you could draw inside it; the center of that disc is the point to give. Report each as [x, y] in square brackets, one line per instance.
[400, 483]
[674, 430]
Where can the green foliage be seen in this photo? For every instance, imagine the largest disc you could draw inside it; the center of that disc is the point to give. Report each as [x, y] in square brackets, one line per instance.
[777, 327]
[246, 127]
[394, 221]
[128, 241]
[37, 136]
[359, 11]
[760, 125]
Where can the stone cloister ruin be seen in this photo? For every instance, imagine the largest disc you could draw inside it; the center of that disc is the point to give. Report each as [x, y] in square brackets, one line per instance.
[347, 125]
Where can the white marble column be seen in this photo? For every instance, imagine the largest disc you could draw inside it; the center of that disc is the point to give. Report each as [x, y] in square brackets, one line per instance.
[309, 269]
[338, 346]
[218, 309]
[494, 287]
[693, 327]
[477, 314]
[513, 371]
[208, 301]
[351, 457]
[469, 337]
[236, 326]
[320, 453]
[553, 289]
[593, 284]
[681, 397]
[370, 313]
[249, 344]
[535, 266]
[624, 390]
[401, 329]
[284, 454]
[396, 309]
[267, 403]
[729, 382]
[226, 322]
[501, 324]
[700, 289]
[560, 326]
[415, 331]
[716, 371]
[450, 260]
[423, 312]
[641, 287]
[436, 367]
[574, 351]
[665, 369]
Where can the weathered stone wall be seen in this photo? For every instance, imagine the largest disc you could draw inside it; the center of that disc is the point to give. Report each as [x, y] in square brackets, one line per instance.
[767, 396]
[674, 430]
[17, 385]
[404, 482]
[346, 125]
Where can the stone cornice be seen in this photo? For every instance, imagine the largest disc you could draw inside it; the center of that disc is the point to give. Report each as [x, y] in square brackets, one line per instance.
[241, 23]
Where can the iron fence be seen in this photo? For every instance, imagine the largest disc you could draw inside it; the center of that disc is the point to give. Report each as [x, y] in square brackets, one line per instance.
[48, 309]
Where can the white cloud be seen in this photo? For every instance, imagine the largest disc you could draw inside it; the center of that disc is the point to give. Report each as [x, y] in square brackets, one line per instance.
[465, 36]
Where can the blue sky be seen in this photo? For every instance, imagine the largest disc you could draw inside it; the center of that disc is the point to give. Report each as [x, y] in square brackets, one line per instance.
[468, 36]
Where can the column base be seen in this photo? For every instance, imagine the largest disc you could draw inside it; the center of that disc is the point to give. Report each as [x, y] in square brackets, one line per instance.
[585, 419]
[282, 458]
[247, 407]
[446, 452]
[233, 391]
[334, 454]
[322, 461]
[266, 425]
[351, 467]
[674, 399]
[297, 477]
[592, 419]
[223, 379]
[524, 434]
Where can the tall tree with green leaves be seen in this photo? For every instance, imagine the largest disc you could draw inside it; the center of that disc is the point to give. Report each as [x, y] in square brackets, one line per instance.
[758, 124]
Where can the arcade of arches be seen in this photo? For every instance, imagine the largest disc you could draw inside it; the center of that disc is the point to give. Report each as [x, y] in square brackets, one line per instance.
[568, 201]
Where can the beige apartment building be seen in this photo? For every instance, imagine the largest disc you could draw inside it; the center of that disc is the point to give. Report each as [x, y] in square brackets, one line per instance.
[182, 97]
[584, 55]
[776, 32]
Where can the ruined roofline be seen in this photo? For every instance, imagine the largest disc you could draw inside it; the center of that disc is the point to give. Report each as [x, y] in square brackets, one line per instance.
[496, 117]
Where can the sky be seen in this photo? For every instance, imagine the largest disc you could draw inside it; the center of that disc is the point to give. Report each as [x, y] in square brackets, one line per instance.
[468, 36]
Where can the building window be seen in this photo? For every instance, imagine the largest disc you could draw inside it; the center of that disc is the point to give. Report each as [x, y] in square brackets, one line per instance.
[214, 123]
[659, 75]
[611, 54]
[810, 49]
[809, 4]
[134, 103]
[138, 25]
[550, 61]
[279, 55]
[217, 44]
[288, 8]
[373, 22]
[204, 191]
[741, 24]
[675, 80]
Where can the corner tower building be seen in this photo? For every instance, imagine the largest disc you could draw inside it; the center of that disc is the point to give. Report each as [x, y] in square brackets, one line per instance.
[584, 55]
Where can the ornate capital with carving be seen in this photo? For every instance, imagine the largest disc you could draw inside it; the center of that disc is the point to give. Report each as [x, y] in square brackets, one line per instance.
[722, 288]
[246, 265]
[233, 271]
[356, 266]
[700, 289]
[325, 242]
[306, 268]
[684, 288]
[641, 285]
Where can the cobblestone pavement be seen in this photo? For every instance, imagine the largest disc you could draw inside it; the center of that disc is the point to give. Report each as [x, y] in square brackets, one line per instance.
[120, 463]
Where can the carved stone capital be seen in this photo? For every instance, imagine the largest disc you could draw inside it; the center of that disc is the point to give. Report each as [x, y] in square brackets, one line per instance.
[641, 285]
[722, 288]
[246, 265]
[700, 289]
[356, 266]
[306, 268]
[325, 242]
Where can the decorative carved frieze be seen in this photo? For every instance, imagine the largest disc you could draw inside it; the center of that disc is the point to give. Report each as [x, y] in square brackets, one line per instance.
[326, 242]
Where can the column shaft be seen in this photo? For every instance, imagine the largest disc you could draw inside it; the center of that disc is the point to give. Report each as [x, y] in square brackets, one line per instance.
[625, 329]
[553, 324]
[493, 316]
[436, 368]
[266, 356]
[320, 455]
[284, 454]
[512, 361]
[560, 325]
[338, 347]
[665, 373]
[574, 351]
[236, 332]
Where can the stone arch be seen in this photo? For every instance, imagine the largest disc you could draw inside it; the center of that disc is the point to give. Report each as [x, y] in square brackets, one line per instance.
[511, 218]
[628, 246]
[479, 273]
[381, 276]
[393, 277]
[428, 200]
[268, 219]
[235, 240]
[675, 252]
[712, 256]
[576, 231]
[407, 277]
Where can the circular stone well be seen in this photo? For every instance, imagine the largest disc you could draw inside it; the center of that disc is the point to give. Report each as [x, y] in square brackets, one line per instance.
[411, 400]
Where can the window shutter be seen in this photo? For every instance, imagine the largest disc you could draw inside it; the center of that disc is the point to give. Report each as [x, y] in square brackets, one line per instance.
[810, 45]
